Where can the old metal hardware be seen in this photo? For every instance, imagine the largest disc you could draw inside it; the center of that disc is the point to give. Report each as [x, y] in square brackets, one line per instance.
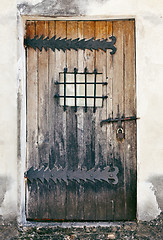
[65, 175]
[120, 135]
[75, 87]
[122, 119]
[68, 44]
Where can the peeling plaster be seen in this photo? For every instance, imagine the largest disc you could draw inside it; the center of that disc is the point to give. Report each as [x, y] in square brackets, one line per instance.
[51, 8]
[157, 182]
[148, 207]
[56, 7]
[4, 184]
[7, 193]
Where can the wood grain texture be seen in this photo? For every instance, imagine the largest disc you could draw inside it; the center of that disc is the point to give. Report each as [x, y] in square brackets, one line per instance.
[130, 127]
[32, 103]
[75, 140]
[71, 131]
[43, 97]
[57, 206]
[110, 134]
[118, 108]
[101, 132]
[32, 126]
[43, 116]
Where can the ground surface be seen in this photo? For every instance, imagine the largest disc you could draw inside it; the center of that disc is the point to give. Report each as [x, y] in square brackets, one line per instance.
[121, 230]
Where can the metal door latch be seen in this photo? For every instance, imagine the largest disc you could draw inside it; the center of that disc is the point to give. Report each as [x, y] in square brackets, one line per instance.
[122, 119]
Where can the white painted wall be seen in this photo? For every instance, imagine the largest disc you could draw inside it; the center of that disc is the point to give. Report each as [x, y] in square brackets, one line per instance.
[149, 71]
[8, 110]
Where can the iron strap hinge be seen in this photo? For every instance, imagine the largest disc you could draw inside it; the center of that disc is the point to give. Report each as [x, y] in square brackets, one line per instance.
[122, 119]
[108, 175]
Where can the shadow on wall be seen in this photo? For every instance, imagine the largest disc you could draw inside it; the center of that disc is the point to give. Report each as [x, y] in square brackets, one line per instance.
[157, 182]
[55, 7]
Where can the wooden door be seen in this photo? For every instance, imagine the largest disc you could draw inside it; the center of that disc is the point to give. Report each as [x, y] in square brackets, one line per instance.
[78, 166]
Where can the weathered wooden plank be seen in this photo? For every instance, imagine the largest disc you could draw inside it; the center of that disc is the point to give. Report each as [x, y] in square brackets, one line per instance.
[31, 200]
[80, 129]
[118, 108]
[32, 127]
[89, 132]
[81, 111]
[52, 189]
[32, 92]
[130, 127]
[112, 193]
[43, 98]
[71, 130]
[57, 208]
[43, 116]
[60, 116]
[100, 64]
[101, 134]
[51, 90]
[109, 100]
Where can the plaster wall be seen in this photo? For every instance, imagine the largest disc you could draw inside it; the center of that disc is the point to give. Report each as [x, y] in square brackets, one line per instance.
[149, 74]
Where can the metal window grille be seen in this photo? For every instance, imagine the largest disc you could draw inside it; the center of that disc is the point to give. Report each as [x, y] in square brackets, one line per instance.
[74, 84]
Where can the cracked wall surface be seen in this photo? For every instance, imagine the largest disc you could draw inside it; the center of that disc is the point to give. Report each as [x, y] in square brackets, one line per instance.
[149, 75]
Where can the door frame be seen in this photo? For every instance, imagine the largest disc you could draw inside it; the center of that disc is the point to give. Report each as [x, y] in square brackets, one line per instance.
[21, 107]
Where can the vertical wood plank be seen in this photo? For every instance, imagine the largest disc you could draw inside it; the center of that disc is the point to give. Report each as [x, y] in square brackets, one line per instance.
[130, 127]
[52, 201]
[71, 130]
[58, 206]
[118, 108]
[32, 92]
[110, 97]
[43, 97]
[112, 194]
[43, 116]
[80, 130]
[89, 132]
[51, 90]
[32, 127]
[101, 134]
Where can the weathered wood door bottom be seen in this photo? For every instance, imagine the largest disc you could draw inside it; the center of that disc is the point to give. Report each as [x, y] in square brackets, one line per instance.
[81, 168]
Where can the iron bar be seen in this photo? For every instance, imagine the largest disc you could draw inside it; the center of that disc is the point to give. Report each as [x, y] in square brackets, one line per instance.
[75, 72]
[88, 73]
[58, 96]
[85, 72]
[109, 120]
[65, 71]
[103, 83]
[94, 108]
